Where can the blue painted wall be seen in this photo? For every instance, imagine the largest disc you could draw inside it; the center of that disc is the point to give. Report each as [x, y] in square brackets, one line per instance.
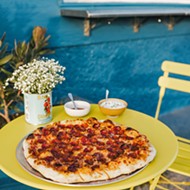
[113, 57]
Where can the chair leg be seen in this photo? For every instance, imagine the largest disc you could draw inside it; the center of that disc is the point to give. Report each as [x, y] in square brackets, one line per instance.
[154, 183]
[175, 182]
[160, 187]
[167, 181]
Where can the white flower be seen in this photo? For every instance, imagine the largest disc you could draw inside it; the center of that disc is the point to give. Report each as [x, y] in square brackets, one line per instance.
[38, 76]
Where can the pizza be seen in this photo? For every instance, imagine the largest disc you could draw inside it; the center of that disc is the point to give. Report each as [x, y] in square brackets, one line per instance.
[79, 150]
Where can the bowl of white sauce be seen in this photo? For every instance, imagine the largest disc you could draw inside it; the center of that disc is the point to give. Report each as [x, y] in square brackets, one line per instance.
[112, 106]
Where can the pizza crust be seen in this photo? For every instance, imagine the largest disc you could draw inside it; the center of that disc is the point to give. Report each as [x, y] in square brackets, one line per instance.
[113, 169]
[95, 175]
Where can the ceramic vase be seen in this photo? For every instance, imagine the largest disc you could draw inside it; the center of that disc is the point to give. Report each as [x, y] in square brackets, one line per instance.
[38, 108]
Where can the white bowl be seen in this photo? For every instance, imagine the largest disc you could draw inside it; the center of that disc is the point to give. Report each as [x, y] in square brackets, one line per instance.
[83, 108]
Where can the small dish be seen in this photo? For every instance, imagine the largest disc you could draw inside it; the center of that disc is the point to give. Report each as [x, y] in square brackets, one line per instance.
[83, 108]
[112, 106]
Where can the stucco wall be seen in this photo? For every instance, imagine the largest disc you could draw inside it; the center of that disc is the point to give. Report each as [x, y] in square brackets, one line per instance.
[112, 57]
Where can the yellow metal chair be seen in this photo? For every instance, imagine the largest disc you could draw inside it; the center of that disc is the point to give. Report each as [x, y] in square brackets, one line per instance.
[182, 163]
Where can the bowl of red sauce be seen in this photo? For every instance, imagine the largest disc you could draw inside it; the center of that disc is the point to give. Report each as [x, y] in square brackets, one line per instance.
[83, 108]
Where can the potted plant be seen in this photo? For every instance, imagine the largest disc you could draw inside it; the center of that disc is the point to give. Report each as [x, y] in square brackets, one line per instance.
[36, 81]
[22, 53]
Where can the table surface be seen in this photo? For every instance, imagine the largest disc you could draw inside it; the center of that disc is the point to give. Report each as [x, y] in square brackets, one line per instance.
[158, 133]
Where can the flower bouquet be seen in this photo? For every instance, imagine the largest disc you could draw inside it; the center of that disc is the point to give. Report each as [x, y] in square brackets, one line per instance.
[36, 81]
[38, 76]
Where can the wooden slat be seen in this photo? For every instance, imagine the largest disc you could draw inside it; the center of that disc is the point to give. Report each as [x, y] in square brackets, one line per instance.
[174, 84]
[176, 68]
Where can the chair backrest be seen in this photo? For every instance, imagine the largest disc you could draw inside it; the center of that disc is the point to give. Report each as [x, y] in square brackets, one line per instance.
[173, 83]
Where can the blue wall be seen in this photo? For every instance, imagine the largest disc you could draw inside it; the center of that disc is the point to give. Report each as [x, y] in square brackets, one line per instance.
[113, 57]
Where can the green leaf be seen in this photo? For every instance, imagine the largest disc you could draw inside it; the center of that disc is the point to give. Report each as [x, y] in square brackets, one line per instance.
[46, 51]
[47, 38]
[6, 59]
[4, 50]
[6, 72]
[3, 37]
[23, 45]
[19, 64]
[15, 49]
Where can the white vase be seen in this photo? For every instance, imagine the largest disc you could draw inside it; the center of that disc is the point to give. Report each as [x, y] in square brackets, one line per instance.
[38, 108]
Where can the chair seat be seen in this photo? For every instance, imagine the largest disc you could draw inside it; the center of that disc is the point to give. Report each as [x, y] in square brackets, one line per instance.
[182, 162]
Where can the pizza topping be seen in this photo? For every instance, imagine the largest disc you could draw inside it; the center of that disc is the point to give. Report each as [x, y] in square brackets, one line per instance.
[88, 149]
[96, 126]
[57, 165]
[55, 153]
[49, 158]
[41, 141]
[73, 167]
[65, 157]
[77, 147]
[134, 147]
[85, 140]
[133, 155]
[98, 156]
[88, 143]
[60, 135]
[124, 146]
[91, 132]
[89, 161]
[112, 155]
[104, 132]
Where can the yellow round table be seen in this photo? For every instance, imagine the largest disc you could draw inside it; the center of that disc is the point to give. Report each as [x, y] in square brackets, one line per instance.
[159, 135]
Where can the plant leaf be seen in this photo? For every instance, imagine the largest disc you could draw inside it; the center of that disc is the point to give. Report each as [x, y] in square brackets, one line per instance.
[6, 59]
[46, 51]
[5, 71]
